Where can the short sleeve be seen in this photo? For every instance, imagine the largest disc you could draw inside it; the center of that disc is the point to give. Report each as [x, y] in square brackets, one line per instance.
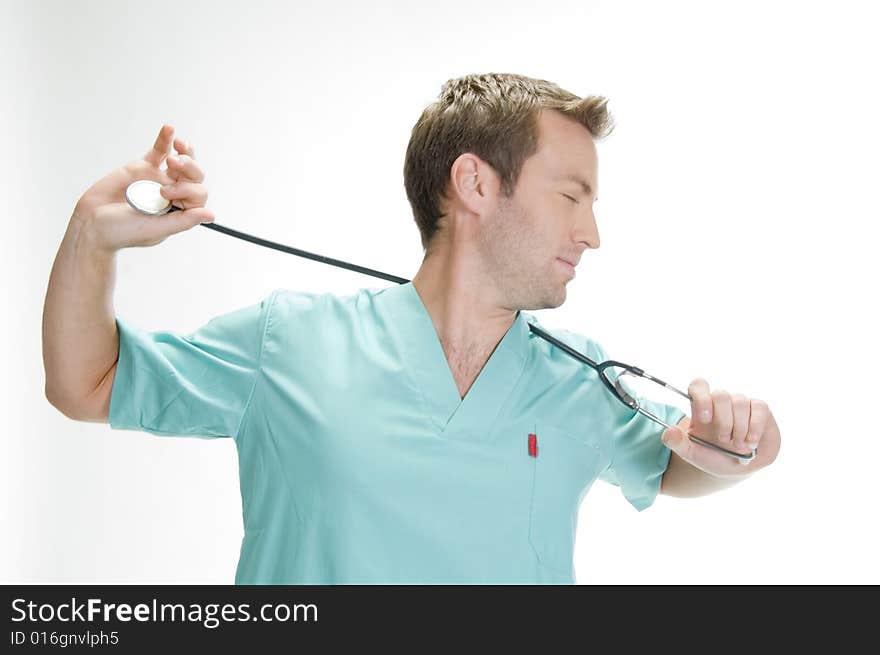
[638, 455]
[197, 384]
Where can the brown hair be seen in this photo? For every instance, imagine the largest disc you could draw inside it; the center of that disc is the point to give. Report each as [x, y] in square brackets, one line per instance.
[495, 116]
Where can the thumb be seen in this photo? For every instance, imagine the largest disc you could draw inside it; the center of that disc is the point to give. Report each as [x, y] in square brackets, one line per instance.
[183, 219]
[198, 215]
[673, 438]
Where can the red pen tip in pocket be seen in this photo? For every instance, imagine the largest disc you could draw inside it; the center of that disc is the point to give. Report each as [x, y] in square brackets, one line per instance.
[533, 445]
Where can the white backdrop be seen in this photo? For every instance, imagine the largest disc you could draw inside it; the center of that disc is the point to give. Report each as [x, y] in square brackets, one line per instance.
[738, 218]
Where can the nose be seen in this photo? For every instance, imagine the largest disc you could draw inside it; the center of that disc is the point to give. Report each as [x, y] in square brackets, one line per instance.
[587, 229]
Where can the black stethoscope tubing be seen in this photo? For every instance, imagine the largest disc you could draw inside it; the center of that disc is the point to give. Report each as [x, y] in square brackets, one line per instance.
[615, 389]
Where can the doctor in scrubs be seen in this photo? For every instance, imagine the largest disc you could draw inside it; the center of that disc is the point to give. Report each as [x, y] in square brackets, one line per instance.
[413, 434]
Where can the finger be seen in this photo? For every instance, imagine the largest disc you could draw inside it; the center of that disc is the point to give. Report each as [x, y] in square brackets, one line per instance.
[180, 221]
[706, 459]
[184, 148]
[701, 401]
[742, 410]
[184, 167]
[197, 215]
[760, 414]
[678, 442]
[722, 417]
[186, 194]
[172, 171]
[161, 147]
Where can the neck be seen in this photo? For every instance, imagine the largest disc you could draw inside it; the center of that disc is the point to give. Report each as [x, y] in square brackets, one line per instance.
[463, 302]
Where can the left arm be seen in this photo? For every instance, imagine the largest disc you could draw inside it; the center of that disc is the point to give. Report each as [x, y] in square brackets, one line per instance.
[734, 422]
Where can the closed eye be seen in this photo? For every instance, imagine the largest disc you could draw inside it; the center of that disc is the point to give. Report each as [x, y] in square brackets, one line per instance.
[570, 198]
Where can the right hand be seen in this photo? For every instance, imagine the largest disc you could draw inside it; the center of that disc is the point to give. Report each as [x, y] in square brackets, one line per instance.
[113, 224]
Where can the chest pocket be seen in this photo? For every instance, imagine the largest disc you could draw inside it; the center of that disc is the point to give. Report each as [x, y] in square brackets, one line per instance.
[565, 466]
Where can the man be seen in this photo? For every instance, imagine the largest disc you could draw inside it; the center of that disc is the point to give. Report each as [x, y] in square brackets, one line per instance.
[414, 434]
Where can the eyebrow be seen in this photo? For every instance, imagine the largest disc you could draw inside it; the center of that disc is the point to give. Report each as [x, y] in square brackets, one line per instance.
[584, 185]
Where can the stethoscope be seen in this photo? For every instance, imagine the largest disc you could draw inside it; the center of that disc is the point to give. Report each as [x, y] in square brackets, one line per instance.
[144, 196]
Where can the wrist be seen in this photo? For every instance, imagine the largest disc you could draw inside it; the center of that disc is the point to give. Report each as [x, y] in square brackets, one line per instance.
[82, 232]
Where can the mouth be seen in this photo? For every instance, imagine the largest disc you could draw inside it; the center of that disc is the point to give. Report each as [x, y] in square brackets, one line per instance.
[567, 265]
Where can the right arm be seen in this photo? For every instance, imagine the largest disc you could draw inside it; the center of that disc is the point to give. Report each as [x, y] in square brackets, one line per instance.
[80, 341]
[80, 338]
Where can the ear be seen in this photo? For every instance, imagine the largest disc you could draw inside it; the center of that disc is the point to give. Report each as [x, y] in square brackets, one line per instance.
[473, 183]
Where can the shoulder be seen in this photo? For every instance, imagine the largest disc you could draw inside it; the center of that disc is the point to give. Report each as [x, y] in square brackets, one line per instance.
[576, 340]
[289, 303]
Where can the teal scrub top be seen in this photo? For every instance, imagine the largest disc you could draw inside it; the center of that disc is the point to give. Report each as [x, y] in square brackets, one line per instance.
[359, 463]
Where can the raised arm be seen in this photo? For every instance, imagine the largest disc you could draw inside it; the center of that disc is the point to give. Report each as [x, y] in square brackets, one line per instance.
[80, 338]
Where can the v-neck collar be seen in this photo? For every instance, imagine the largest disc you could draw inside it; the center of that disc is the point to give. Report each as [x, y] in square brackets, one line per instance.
[428, 368]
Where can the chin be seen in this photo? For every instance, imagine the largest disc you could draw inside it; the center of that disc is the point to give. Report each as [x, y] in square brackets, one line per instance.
[551, 300]
[560, 300]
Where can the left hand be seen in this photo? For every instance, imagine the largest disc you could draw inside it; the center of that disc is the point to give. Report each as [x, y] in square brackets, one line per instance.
[734, 422]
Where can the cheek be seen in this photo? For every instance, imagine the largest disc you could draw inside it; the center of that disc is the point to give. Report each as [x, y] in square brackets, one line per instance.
[521, 240]
[539, 241]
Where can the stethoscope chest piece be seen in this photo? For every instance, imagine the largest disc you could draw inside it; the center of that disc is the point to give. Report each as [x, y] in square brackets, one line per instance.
[144, 196]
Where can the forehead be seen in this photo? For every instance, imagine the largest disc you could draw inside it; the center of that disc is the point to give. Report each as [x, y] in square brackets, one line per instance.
[565, 147]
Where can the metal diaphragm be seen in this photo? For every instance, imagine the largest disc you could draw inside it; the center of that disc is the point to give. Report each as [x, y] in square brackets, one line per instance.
[144, 196]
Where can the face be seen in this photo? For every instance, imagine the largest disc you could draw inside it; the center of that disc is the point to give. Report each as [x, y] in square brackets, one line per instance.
[548, 218]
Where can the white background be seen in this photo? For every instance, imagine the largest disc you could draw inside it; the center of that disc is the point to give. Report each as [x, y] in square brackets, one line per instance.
[738, 218]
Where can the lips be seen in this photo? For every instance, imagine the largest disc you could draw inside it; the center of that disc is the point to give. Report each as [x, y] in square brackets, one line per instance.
[569, 266]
